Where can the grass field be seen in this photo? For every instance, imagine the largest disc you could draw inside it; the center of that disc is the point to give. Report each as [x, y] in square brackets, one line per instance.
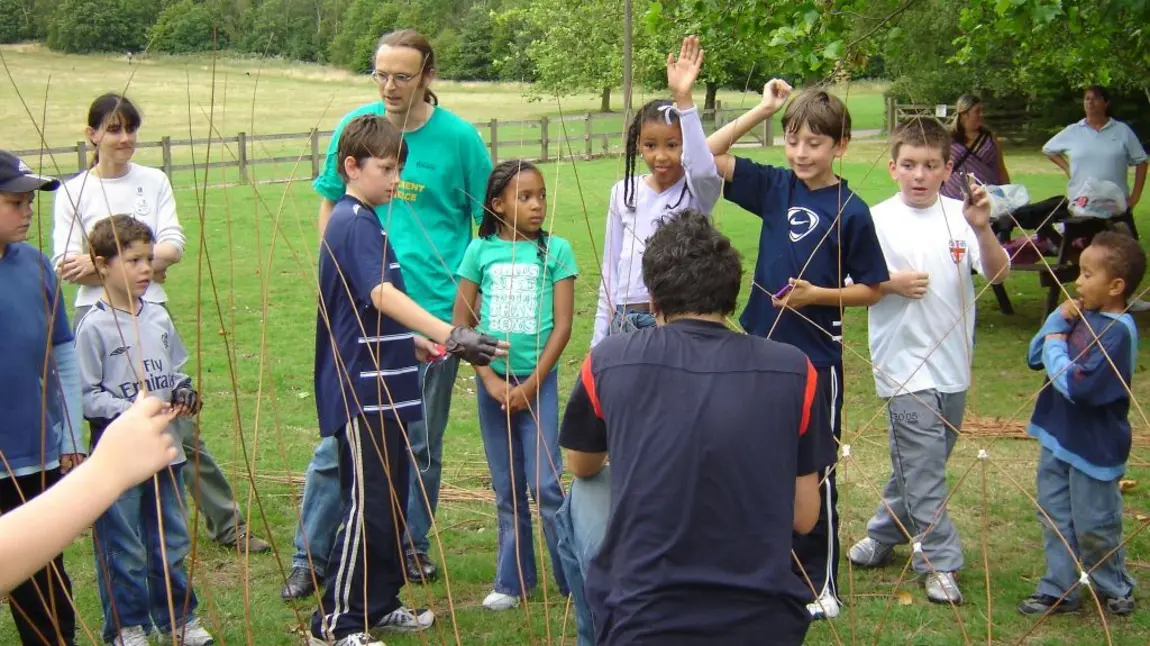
[244, 299]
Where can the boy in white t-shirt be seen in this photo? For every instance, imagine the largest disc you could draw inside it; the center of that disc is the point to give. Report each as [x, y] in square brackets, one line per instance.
[921, 341]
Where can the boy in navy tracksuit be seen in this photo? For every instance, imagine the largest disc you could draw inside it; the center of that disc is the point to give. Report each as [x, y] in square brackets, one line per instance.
[815, 234]
[1088, 349]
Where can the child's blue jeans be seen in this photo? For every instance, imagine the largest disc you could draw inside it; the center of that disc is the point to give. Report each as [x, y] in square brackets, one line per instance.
[627, 320]
[1088, 515]
[131, 572]
[523, 454]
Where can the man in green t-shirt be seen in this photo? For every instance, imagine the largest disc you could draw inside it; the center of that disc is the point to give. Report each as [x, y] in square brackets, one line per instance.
[429, 223]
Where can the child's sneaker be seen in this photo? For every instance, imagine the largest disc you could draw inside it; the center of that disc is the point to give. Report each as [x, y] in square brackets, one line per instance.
[134, 636]
[192, 634]
[1039, 604]
[942, 588]
[869, 553]
[825, 607]
[498, 601]
[358, 639]
[1120, 605]
[407, 620]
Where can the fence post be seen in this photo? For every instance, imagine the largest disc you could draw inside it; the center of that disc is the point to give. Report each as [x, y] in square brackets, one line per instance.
[494, 141]
[166, 150]
[587, 129]
[891, 113]
[715, 118]
[314, 153]
[768, 133]
[242, 156]
[543, 138]
[81, 156]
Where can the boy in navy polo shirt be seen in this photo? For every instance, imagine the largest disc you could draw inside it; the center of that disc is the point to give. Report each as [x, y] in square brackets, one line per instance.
[367, 389]
[38, 448]
[815, 234]
[712, 472]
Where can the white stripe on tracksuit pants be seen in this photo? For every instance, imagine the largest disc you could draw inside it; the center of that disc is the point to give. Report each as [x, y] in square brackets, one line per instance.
[819, 551]
[366, 552]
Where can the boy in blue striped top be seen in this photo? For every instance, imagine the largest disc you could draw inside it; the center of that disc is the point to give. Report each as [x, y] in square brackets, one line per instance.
[367, 389]
[1088, 348]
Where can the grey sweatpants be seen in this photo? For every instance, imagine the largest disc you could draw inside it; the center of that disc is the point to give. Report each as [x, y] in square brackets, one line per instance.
[920, 444]
[203, 477]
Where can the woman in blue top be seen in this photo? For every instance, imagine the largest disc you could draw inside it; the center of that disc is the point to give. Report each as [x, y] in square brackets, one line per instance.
[429, 224]
[1097, 147]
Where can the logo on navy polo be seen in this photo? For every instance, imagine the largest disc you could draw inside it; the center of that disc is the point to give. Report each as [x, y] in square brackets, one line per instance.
[802, 222]
[120, 350]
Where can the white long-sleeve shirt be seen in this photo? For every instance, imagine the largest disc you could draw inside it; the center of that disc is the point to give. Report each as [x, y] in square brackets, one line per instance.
[143, 193]
[628, 230]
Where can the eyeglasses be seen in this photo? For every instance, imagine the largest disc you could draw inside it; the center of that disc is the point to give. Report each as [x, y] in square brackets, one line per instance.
[400, 79]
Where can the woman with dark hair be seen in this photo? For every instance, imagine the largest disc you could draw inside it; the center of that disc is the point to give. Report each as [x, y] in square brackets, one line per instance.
[429, 222]
[974, 150]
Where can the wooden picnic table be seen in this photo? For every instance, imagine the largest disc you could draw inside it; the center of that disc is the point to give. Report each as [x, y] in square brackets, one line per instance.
[1063, 268]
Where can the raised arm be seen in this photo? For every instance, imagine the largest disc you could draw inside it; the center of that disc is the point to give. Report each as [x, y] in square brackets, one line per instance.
[702, 175]
[775, 94]
[612, 248]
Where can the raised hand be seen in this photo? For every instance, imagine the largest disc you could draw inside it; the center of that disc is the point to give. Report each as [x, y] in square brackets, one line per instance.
[775, 94]
[976, 209]
[682, 73]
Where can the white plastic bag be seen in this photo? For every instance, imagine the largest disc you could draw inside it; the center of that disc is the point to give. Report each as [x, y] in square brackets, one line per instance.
[1005, 198]
[1098, 199]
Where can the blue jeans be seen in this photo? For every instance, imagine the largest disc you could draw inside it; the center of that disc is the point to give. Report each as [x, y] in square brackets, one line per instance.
[581, 524]
[130, 568]
[518, 462]
[427, 446]
[320, 511]
[1088, 514]
[321, 508]
[628, 320]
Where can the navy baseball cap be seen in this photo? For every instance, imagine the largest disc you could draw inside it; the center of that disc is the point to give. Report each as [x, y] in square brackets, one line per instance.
[17, 177]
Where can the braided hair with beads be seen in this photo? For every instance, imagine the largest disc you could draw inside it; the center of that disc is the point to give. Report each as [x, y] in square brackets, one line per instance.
[655, 111]
[500, 177]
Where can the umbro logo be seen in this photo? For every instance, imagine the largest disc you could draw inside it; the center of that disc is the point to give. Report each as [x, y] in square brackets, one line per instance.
[120, 350]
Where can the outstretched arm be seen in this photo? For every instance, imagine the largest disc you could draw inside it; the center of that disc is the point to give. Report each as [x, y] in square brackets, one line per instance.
[133, 448]
[775, 94]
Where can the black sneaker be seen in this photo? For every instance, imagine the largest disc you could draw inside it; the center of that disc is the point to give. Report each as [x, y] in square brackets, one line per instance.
[300, 583]
[420, 568]
[1038, 604]
[1120, 605]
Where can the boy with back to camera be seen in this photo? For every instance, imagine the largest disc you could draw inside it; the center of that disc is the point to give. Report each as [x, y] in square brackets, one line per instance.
[368, 389]
[1088, 349]
[815, 234]
[921, 343]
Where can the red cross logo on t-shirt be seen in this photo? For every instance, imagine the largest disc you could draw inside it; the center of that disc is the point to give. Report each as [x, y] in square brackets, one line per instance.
[957, 250]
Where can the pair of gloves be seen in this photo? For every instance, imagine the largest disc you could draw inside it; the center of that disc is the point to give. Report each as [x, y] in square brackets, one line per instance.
[184, 395]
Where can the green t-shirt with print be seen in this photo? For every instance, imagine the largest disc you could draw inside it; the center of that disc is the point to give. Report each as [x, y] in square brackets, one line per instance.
[517, 294]
[440, 194]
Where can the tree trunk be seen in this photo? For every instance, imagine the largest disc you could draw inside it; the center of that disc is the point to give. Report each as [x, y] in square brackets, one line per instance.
[709, 102]
[605, 106]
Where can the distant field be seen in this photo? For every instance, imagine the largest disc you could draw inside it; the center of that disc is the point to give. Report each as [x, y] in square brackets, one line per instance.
[190, 97]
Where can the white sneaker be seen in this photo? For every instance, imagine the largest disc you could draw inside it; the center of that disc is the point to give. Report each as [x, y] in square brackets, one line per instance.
[358, 639]
[498, 601]
[869, 553]
[942, 588]
[134, 636]
[192, 634]
[825, 607]
[407, 620]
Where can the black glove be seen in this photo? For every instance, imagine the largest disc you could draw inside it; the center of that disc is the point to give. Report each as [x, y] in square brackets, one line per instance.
[471, 346]
[185, 395]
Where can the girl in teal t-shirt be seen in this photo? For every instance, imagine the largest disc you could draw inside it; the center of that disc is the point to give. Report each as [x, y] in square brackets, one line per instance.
[527, 279]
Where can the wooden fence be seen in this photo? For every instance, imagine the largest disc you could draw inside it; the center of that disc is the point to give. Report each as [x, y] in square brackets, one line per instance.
[1010, 126]
[587, 136]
